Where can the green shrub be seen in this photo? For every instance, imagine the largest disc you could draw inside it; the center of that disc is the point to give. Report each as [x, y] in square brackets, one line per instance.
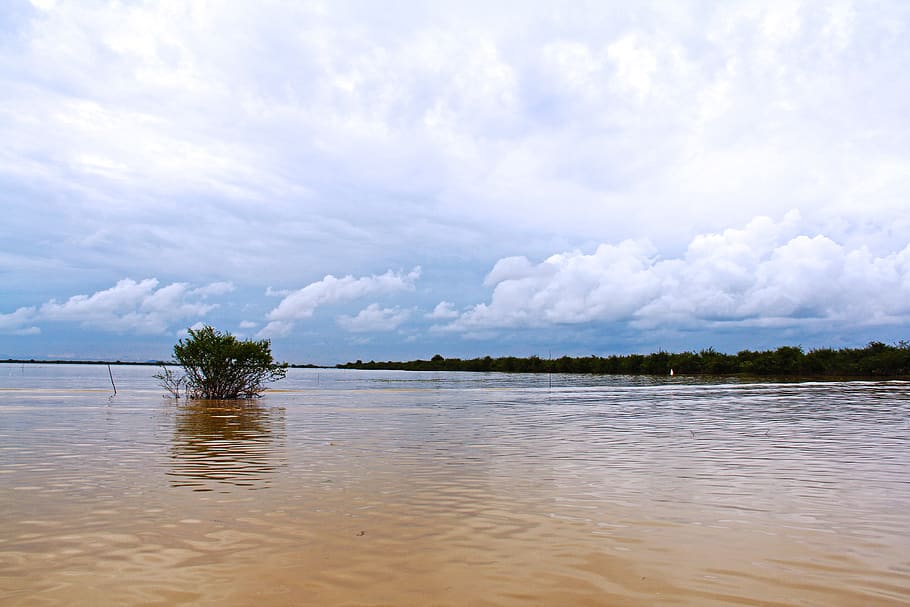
[218, 366]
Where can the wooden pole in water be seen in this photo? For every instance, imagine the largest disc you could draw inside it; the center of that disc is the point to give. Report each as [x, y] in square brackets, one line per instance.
[111, 373]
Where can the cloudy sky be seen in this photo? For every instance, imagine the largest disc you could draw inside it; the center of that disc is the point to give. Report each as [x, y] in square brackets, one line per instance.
[384, 180]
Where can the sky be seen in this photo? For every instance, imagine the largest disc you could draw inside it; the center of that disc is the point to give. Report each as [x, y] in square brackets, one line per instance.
[392, 180]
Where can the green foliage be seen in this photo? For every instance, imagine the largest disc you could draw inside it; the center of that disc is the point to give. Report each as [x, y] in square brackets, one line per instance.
[219, 366]
[875, 360]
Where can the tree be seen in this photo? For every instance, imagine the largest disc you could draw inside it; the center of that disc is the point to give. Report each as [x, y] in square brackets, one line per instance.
[218, 366]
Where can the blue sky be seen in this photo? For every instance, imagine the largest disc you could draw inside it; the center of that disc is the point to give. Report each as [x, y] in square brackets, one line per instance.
[392, 180]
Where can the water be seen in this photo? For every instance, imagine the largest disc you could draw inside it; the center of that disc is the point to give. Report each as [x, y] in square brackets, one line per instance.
[385, 488]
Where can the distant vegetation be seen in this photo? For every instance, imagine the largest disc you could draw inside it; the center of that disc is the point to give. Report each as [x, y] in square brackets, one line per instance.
[219, 366]
[875, 360]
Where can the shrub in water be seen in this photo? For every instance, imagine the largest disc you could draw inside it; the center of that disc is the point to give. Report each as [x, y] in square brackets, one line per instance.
[217, 365]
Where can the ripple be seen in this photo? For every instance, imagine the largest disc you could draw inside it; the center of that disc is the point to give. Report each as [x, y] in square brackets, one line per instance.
[453, 489]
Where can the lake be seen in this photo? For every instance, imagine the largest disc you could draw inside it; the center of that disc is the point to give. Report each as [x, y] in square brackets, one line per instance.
[344, 487]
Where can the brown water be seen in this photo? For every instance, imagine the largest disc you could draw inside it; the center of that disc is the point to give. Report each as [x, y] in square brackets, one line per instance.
[354, 488]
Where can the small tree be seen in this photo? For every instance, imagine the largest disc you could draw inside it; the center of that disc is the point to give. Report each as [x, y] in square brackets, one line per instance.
[219, 366]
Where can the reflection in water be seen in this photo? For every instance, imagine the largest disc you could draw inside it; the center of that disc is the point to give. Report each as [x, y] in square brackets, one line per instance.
[220, 443]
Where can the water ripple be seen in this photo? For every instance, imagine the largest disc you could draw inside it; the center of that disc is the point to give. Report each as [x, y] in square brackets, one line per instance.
[483, 489]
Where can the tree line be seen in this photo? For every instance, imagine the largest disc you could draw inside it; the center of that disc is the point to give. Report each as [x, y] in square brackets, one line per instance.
[876, 359]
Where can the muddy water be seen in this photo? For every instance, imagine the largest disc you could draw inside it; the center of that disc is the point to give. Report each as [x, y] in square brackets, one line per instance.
[352, 488]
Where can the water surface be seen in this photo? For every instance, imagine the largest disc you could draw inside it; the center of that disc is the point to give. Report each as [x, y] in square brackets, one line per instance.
[394, 488]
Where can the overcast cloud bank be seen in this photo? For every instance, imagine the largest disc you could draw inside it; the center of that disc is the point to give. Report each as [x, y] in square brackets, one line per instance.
[287, 144]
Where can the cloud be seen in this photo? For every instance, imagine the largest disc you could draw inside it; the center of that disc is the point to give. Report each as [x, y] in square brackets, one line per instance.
[608, 285]
[765, 274]
[635, 64]
[44, 5]
[350, 137]
[601, 124]
[185, 332]
[302, 303]
[128, 307]
[19, 322]
[374, 318]
[215, 288]
[443, 310]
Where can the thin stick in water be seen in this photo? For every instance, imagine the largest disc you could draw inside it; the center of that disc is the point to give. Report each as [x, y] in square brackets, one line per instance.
[549, 369]
[111, 373]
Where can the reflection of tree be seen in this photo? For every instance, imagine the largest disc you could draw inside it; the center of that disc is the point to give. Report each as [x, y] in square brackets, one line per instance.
[224, 443]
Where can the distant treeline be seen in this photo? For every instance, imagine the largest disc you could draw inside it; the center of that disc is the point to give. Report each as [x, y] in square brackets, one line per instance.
[875, 360]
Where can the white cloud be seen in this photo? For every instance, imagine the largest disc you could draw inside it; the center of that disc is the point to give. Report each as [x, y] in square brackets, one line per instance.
[19, 322]
[215, 288]
[127, 307]
[766, 274]
[302, 303]
[635, 64]
[443, 310]
[276, 328]
[248, 324]
[374, 318]
[44, 5]
[277, 292]
[608, 285]
[185, 332]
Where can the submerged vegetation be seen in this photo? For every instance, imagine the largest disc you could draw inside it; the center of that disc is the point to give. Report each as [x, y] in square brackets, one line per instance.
[219, 366]
[875, 360]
